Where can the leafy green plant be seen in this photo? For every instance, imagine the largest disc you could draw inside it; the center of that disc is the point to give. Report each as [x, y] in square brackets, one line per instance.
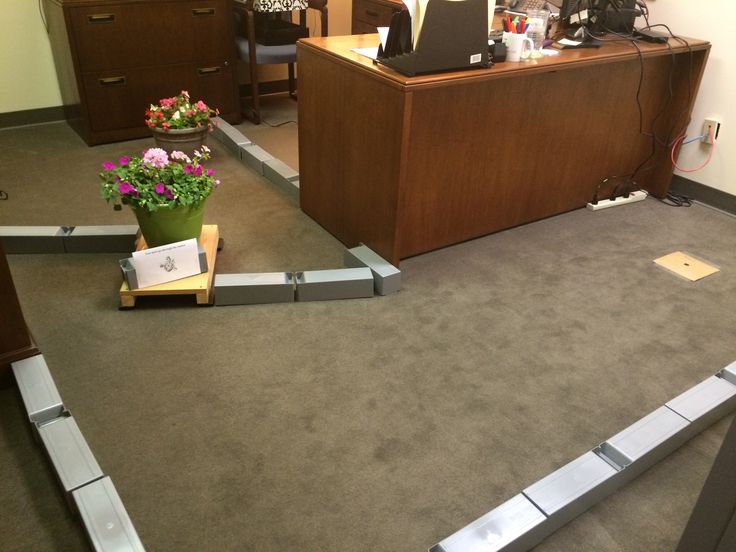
[157, 180]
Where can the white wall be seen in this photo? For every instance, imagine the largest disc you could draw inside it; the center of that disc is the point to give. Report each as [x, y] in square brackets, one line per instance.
[27, 67]
[702, 20]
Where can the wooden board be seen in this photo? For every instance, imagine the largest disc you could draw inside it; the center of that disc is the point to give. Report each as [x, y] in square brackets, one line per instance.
[199, 285]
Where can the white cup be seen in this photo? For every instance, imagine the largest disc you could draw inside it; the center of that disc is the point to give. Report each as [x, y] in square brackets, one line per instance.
[518, 46]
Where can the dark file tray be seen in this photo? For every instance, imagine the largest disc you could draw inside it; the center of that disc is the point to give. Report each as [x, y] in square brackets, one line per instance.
[454, 35]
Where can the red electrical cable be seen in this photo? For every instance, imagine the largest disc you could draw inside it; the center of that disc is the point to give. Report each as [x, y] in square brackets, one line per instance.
[710, 154]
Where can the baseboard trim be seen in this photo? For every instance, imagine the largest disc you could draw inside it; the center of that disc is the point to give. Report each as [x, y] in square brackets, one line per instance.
[704, 194]
[32, 116]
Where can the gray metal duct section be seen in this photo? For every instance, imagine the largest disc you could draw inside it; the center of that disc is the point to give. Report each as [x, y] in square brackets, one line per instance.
[539, 510]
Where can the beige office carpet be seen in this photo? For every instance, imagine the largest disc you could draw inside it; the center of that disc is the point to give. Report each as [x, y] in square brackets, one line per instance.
[277, 132]
[375, 424]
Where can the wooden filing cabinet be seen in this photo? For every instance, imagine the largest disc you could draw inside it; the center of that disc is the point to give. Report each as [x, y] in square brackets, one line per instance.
[369, 14]
[116, 57]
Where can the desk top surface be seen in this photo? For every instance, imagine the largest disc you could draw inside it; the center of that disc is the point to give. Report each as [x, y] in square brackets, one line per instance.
[340, 48]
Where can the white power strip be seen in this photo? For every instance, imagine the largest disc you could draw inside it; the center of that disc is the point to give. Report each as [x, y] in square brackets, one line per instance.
[638, 195]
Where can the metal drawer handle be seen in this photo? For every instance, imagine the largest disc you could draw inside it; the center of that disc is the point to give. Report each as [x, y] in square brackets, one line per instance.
[371, 13]
[198, 12]
[208, 70]
[101, 18]
[112, 81]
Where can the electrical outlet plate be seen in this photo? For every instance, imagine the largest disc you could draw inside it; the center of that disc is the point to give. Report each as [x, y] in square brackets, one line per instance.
[710, 126]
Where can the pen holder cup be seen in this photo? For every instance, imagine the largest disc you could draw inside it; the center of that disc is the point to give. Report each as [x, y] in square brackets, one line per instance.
[518, 46]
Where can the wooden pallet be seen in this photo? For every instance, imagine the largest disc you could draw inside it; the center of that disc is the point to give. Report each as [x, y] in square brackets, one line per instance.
[199, 285]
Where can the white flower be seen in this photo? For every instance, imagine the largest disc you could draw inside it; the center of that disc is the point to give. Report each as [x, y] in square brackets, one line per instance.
[176, 116]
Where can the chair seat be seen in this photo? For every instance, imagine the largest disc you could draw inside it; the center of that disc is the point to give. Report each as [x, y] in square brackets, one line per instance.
[285, 53]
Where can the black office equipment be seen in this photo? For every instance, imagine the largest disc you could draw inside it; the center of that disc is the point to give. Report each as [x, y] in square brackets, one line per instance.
[454, 35]
[647, 35]
[523, 6]
[598, 17]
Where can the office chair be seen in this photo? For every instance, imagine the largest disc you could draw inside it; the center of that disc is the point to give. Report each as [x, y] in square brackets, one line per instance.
[254, 54]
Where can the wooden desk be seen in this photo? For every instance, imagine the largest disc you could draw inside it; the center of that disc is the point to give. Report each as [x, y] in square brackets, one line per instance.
[410, 164]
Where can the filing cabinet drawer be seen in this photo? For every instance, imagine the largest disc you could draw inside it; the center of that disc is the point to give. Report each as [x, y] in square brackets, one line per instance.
[373, 13]
[118, 99]
[116, 57]
[112, 35]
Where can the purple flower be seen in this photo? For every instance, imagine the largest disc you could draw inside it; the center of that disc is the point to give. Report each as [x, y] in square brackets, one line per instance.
[209, 172]
[188, 169]
[125, 188]
[169, 194]
[159, 188]
[108, 165]
[124, 160]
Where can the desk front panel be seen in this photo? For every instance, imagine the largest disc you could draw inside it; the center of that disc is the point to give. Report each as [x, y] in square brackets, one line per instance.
[491, 155]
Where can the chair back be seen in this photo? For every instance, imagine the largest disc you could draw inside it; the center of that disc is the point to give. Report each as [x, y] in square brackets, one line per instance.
[271, 6]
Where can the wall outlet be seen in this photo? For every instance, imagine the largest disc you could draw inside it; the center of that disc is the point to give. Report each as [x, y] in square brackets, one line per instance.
[710, 126]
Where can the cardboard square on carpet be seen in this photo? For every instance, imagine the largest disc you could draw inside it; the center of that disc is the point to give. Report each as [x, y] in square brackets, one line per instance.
[686, 266]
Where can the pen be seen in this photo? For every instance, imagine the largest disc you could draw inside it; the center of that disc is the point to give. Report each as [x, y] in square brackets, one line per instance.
[510, 25]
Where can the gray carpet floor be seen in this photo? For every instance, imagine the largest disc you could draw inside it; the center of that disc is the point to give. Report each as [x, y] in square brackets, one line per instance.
[375, 424]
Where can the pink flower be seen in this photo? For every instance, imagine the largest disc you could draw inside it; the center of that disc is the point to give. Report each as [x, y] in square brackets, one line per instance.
[108, 165]
[169, 194]
[125, 188]
[201, 106]
[155, 157]
[124, 160]
[159, 188]
[188, 169]
[180, 156]
[198, 170]
[209, 172]
[217, 183]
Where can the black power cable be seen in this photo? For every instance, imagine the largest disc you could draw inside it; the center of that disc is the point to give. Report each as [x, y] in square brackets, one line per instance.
[629, 184]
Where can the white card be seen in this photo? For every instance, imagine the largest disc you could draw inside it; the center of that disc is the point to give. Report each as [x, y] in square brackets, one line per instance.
[166, 263]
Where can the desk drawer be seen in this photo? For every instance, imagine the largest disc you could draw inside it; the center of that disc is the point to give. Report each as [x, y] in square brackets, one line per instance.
[372, 13]
[118, 99]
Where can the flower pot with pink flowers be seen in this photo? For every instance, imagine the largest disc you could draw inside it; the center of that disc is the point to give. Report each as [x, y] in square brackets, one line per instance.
[167, 192]
[179, 124]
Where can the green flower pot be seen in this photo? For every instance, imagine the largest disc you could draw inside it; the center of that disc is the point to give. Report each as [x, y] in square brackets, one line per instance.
[170, 224]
